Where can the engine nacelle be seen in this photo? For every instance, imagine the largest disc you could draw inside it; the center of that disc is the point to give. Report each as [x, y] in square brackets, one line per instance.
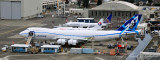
[72, 42]
[61, 41]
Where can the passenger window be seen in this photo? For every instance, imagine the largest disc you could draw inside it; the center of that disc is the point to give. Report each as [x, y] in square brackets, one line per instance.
[49, 48]
[14, 48]
[86, 21]
[91, 21]
[23, 48]
[81, 20]
[45, 48]
[52, 48]
[84, 27]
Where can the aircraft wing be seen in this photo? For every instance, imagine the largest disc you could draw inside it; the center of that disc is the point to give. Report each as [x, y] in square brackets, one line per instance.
[75, 38]
[132, 32]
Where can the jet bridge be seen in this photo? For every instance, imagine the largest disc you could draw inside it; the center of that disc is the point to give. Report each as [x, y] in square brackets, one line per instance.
[141, 46]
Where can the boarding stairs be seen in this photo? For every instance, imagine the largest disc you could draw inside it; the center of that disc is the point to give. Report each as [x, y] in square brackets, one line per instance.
[29, 40]
[141, 46]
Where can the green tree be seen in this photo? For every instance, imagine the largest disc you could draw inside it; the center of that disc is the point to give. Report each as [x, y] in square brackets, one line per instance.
[99, 2]
[157, 4]
[149, 1]
[79, 3]
[85, 3]
[131, 1]
[66, 2]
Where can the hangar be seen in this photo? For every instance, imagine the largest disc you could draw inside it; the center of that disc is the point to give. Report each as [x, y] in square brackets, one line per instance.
[116, 8]
[20, 9]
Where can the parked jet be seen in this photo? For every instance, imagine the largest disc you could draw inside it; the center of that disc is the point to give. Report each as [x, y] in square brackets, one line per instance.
[75, 36]
[96, 27]
[83, 24]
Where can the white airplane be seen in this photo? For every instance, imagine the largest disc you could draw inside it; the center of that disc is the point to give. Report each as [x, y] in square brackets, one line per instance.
[74, 37]
[83, 24]
[96, 27]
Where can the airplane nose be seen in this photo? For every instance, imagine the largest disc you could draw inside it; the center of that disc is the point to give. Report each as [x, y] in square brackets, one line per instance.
[21, 33]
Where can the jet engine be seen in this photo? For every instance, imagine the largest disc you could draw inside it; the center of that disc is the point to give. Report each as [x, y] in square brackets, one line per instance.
[61, 41]
[72, 42]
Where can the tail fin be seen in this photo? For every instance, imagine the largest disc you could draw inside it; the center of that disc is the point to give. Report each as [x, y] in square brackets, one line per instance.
[99, 24]
[131, 25]
[108, 20]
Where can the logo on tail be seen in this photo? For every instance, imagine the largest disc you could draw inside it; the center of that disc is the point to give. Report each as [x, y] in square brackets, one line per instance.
[108, 20]
[99, 23]
[131, 24]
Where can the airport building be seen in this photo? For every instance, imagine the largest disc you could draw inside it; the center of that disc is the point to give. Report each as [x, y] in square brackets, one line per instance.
[116, 8]
[48, 3]
[120, 10]
[20, 9]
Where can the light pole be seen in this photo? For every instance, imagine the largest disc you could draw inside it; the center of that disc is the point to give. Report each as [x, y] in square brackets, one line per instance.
[58, 7]
[64, 8]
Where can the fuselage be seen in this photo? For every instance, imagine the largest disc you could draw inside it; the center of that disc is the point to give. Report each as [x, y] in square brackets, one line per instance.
[71, 28]
[45, 33]
[82, 24]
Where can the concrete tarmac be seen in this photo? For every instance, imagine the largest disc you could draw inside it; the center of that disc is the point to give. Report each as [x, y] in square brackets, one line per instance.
[9, 30]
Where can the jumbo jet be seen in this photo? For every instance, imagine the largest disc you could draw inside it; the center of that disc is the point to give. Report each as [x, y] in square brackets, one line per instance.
[73, 37]
[83, 24]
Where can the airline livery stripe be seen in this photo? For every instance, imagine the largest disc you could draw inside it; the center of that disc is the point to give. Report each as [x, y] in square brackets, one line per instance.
[82, 36]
